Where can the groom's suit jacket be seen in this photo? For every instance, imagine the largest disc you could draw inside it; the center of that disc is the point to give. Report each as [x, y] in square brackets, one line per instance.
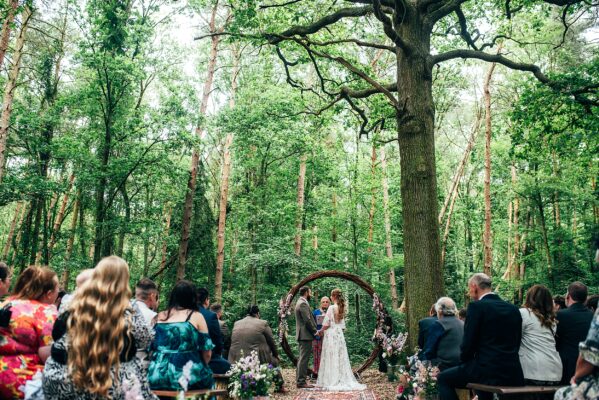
[305, 327]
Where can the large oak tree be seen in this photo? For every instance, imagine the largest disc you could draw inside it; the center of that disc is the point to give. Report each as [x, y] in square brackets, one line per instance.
[328, 33]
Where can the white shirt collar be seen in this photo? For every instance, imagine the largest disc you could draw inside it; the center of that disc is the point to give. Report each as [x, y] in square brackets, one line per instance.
[481, 297]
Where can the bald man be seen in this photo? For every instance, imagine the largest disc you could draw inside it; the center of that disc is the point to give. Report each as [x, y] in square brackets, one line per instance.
[319, 314]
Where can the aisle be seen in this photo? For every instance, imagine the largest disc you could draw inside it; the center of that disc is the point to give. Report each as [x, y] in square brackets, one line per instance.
[378, 388]
[308, 394]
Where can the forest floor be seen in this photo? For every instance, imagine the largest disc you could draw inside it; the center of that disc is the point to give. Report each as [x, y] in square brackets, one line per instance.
[375, 380]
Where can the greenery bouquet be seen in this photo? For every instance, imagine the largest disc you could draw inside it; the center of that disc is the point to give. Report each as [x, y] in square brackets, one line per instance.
[251, 379]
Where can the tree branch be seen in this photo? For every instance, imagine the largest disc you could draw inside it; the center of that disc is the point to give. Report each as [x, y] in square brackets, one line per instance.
[350, 12]
[535, 70]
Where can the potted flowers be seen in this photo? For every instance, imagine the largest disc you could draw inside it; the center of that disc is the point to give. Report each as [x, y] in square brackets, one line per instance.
[419, 382]
[252, 380]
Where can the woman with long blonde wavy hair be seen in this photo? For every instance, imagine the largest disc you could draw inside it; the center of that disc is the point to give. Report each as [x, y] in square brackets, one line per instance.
[96, 340]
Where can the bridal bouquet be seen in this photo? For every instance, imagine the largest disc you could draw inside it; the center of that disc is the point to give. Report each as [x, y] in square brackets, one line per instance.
[250, 379]
[418, 383]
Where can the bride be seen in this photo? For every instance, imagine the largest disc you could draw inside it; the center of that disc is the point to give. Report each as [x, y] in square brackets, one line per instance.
[335, 373]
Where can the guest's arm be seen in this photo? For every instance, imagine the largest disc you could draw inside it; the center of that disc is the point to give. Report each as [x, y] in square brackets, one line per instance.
[270, 340]
[307, 316]
[198, 320]
[583, 368]
[471, 333]
[435, 333]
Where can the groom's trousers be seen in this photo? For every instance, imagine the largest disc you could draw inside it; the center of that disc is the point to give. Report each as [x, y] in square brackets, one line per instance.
[305, 349]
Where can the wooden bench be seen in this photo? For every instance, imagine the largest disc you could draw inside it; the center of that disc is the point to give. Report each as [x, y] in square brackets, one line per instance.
[207, 393]
[222, 382]
[517, 392]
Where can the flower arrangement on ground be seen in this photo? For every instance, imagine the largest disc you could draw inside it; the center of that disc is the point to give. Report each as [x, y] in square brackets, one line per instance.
[251, 379]
[419, 382]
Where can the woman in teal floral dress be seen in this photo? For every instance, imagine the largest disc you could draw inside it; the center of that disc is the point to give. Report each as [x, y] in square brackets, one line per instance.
[585, 383]
[181, 338]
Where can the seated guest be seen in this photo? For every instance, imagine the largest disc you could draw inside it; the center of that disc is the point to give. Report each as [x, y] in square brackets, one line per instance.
[585, 382]
[95, 340]
[572, 326]
[592, 302]
[25, 340]
[559, 303]
[4, 279]
[81, 279]
[252, 333]
[538, 356]
[217, 363]
[181, 337]
[444, 337]
[489, 351]
[224, 329]
[424, 324]
[146, 299]
[462, 314]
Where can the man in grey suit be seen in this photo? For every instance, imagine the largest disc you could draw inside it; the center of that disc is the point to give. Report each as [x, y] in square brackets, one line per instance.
[305, 332]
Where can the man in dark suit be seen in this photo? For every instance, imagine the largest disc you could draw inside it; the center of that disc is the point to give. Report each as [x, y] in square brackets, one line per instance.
[489, 350]
[572, 328]
[424, 324]
[217, 364]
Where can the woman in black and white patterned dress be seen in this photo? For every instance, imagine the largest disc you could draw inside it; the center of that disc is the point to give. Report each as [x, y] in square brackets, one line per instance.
[93, 356]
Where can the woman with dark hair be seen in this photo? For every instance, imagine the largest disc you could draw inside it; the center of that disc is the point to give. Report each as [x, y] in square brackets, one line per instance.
[538, 356]
[25, 340]
[181, 337]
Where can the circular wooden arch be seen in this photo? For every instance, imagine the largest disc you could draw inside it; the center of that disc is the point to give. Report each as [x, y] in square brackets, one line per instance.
[330, 274]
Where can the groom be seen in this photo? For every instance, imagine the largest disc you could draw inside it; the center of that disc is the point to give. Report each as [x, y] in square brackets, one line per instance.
[305, 332]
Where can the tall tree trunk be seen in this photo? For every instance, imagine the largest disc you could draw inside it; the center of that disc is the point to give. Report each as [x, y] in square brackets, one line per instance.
[415, 114]
[541, 209]
[195, 159]
[11, 85]
[60, 216]
[461, 166]
[224, 189]
[448, 225]
[515, 226]
[123, 230]
[556, 211]
[388, 247]
[167, 227]
[334, 227]
[372, 206]
[222, 217]
[300, 206]
[71, 241]
[20, 228]
[11, 231]
[6, 28]
[487, 238]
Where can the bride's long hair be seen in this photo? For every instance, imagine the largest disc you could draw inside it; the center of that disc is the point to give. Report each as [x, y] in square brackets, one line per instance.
[337, 295]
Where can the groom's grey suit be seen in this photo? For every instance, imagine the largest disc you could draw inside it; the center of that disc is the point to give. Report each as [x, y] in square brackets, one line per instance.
[305, 329]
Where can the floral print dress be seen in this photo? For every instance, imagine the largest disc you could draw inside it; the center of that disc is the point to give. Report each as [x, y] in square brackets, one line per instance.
[587, 387]
[29, 329]
[175, 345]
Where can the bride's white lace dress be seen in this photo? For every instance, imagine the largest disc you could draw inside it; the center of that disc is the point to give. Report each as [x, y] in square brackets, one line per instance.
[335, 373]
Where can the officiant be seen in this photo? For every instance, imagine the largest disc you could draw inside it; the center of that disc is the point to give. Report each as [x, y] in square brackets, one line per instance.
[319, 314]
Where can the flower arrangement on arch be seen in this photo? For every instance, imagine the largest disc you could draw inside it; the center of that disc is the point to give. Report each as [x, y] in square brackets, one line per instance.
[249, 378]
[419, 382]
[392, 345]
[283, 312]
